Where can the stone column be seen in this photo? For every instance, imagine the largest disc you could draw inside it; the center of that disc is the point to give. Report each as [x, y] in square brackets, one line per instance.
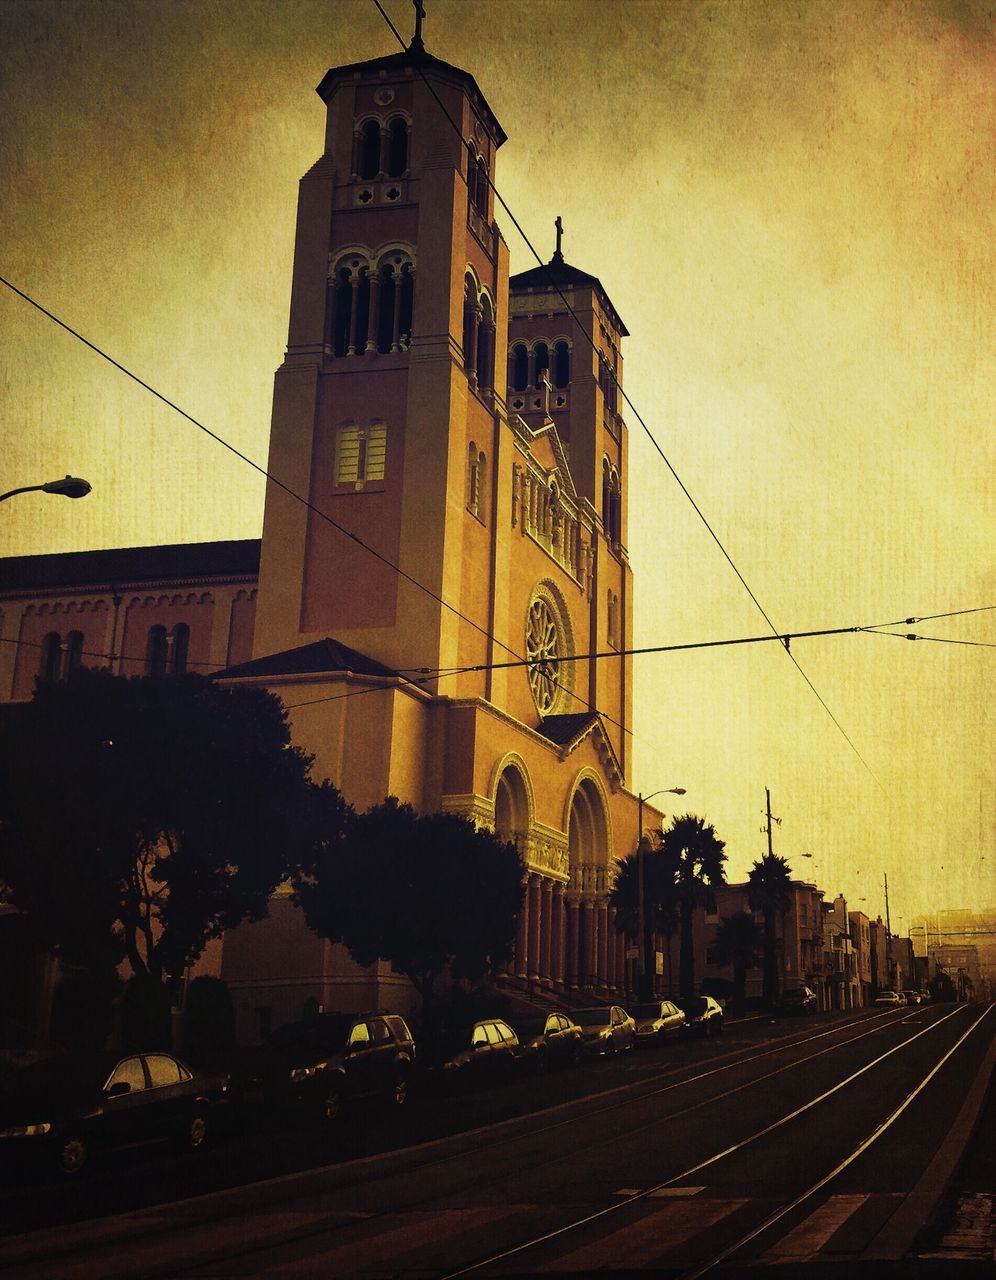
[546, 932]
[396, 324]
[535, 908]
[590, 960]
[373, 321]
[522, 937]
[603, 943]
[558, 933]
[573, 941]
[611, 976]
[354, 306]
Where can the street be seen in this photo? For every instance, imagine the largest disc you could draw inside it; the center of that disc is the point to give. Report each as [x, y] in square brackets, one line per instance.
[810, 1143]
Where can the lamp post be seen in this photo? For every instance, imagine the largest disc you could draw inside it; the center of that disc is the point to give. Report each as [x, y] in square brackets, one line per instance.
[69, 487]
[644, 936]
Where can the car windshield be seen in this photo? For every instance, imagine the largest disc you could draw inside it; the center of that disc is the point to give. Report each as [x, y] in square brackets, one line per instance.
[592, 1017]
[647, 1010]
[693, 1005]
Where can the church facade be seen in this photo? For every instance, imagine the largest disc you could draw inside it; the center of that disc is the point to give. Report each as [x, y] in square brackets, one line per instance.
[443, 544]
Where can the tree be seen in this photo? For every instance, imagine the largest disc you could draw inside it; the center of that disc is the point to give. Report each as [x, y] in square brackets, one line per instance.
[660, 889]
[768, 891]
[738, 943]
[141, 817]
[425, 893]
[698, 854]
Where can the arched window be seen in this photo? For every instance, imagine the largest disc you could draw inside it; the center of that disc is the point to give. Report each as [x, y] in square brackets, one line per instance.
[561, 365]
[358, 337]
[74, 652]
[51, 657]
[471, 312]
[407, 308]
[481, 191]
[156, 652]
[385, 313]
[520, 367]
[369, 165]
[486, 346]
[606, 493]
[397, 147]
[342, 300]
[181, 645]
[615, 507]
[476, 463]
[541, 362]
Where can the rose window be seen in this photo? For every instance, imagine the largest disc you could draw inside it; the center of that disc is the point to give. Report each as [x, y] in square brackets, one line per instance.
[543, 649]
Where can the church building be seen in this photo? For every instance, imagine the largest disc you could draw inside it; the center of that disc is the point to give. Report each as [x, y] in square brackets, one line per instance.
[444, 532]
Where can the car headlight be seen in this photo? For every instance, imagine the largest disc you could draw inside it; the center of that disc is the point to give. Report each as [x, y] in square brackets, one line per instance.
[300, 1074]
[26, 1131]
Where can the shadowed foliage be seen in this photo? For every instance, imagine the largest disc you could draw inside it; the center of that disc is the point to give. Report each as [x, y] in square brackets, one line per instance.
[768, 892]
[698, 855]
[141, 817]
[427, 894]
[739, 943]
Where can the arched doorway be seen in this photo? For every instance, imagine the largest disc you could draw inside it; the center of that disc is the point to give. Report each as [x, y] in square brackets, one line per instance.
[591, 946]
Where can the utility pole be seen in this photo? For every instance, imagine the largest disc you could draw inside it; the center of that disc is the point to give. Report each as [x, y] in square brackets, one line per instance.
[888, 926]
[767, 797]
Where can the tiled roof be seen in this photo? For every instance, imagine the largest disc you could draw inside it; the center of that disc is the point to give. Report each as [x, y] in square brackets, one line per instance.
[414, 58]
[563, 730]
[560, 274]
[310, 659]
[180, 562]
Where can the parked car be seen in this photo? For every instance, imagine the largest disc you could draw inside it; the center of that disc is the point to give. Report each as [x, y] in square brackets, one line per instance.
[472, 1054]
[890, 999]
[704, 1014]
[605, 1029]
[549, 1040]
[59, 1111]
[913, 997]
[329, 1061]
[657, 1022]
[798, 1000]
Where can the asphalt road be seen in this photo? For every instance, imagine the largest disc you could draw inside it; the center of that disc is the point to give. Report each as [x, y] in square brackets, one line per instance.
[817, 1145]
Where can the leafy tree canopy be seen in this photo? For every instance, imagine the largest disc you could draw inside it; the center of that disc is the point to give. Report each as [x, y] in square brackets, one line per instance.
[660, 879]
[424, 893]
[141, 817]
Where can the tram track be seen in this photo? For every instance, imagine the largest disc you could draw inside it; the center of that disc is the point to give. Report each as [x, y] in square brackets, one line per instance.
[324, 1231]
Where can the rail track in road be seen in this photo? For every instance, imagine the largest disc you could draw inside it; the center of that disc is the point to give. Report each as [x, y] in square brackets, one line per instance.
[423, 1211]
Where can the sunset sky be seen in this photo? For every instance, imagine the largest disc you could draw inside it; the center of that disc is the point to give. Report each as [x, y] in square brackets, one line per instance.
[792, 208]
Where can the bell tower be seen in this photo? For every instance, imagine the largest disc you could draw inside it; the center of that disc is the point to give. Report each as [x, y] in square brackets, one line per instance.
[397, 327]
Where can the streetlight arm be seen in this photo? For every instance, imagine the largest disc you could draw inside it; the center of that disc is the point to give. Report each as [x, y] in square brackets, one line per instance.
[69, 487]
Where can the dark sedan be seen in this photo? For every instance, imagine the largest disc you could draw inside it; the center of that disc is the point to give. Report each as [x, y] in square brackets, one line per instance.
[704, 1014]
[657, 1022]
[59, 1111]
[798, 1000]
[550, 1040]
[478, 1053]
[320, 1065]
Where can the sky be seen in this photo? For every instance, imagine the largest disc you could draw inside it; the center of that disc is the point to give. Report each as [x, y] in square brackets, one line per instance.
[792, 208]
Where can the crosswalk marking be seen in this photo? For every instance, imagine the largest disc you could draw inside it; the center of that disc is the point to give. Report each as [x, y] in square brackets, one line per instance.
[667, 1193]
[366, 1254]
[805, 1240]
[637, 1243]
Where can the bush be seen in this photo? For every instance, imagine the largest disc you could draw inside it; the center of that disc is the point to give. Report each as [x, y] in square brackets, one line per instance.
[208, 1023]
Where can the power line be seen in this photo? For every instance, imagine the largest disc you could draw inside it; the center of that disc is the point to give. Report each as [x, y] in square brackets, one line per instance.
[895, 635]
[639, 417]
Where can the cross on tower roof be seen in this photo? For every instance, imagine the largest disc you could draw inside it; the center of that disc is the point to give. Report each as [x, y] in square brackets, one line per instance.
[417, 43]
[558, 255]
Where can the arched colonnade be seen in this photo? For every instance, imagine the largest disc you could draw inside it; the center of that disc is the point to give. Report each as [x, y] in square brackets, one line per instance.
[566, 940]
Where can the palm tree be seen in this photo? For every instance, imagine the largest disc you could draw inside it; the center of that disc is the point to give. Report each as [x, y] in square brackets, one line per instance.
[739, 942]
[660, 895]
[698, 855]
[768, 892]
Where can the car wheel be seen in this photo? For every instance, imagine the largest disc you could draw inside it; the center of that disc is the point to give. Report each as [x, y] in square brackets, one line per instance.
[332, 1107]
[401, 1089]
[194, 1135]
[610, 1048]
[73, 1154]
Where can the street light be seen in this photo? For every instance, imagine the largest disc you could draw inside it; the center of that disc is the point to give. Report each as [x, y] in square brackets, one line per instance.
[643, 980]
[70, 487]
